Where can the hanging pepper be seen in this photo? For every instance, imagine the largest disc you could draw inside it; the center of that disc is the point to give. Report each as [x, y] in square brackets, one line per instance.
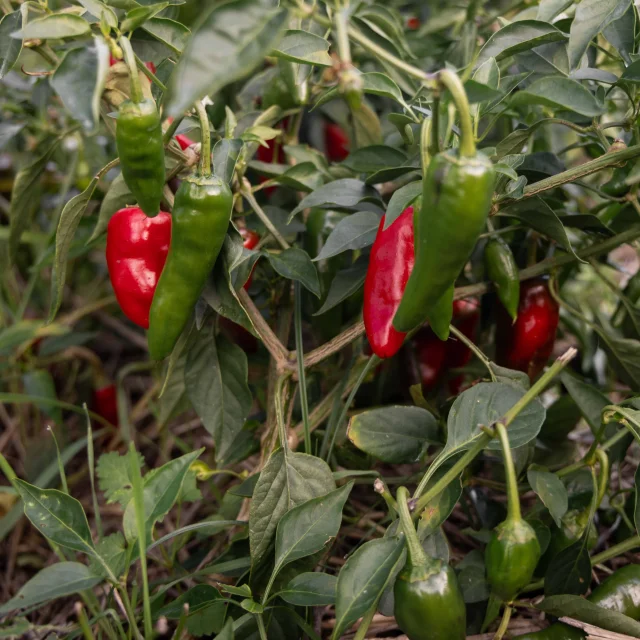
[201, 214]
[390, 264]
[137, 248]
[139, 142]
[513, 551]
[336, 142]
[527, 343]
[104, 402]
[428, 603]
[502, 270]
[456, 194]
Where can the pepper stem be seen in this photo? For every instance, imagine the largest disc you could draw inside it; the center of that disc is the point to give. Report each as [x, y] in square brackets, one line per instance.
[205, 143]
[134, 79]
[417, 556]
[450, 81]
[513, 507]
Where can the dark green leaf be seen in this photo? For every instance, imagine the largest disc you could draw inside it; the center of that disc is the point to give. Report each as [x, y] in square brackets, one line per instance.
[374, 158]
[400, 200]
[56, 581]
[589, 399]
[139, 15]
[10, 48]
[295, 264]
[117, 197]
[229, 42]
[174, 34]
[345, 284]
[225, 156]
[394, 434]
[207, 610]
[310, 590]
[216, 380]
[352, 232]
[439, 508]
[39, 383]
[550, 490]
[569, 571]
[339, 193]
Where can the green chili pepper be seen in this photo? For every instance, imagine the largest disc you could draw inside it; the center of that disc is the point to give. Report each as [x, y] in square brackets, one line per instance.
[456, 191]
[502, 270]
[616, 186]
[513, 551]
[428, 603]
[200, 217]
[620, 592]
[139, 143]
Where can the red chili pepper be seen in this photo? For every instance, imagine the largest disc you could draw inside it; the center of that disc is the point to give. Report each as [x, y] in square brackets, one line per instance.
[336, 142]
[251, 239]
[137, 248]
[431, 353]
[105, 403]
[390, 264]
[527, 343]
[413, 23]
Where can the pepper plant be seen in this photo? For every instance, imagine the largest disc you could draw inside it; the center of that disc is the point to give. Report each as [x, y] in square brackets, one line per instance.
[330, 310]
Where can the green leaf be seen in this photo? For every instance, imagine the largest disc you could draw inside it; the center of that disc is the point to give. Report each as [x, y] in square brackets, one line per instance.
[518, 36]
[304, 47]
[394, 434]
[287, 480]
[559, 93]
[310, 590]
[592, 16]
[53, 27]
[207, 610]
[10, 48]
[25, 195]
[339, 193]
[576, 607]
[624, 357]
[303, 176]
[352, 232]
[589, 399]
[225, 157]
[362, 579]
[100, 10]
[374, 158]
[58, 580]
[161, 489]
[57, 516]
[139, 15]
[216, 380]
[39, 383]
[174, 34]
[345, 283]
[113, 477]
[230, 41]
[113, 551]
[400, 200]
[569, 570]
[295, 264]
[549, 9]
[485, 403]
[67, 226]
[307, 528]
[439, 508]
[116, 198]
[550, 490]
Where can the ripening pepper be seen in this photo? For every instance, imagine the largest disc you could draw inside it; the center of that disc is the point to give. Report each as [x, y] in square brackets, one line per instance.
[428, 603]
[105, 403]
[502, 270]
[456, 198]
[390, 264]
[139, 142]
[527, 343]
[137, 248]
[336, 142]
[201, 214]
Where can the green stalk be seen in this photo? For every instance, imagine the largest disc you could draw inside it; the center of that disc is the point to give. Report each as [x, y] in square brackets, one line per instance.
[138, 502]
[130, 59]
[172, 128]
[302, 382]
[417, 556]
[450, 80]
[513, 497]
[425, 140]
[204, 166]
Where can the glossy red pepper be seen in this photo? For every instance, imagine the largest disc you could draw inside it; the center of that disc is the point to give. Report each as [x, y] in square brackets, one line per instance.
[184, 141]
[390, 265]
[250, 241]
[336, 142]
[527, 343]
[137, 248]
[105, 403]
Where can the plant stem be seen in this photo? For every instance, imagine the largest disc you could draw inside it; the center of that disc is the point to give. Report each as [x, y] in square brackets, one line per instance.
[417, 556]
[138, 501]
[150, 75]
[302, 383]
[616, 550]
[513, 497]
[172, 128]
[504, 623]
[451, 81]
[475, 349]
[246, 193]
[425, 136]
[279, 399]
[204, 164]
[603, 473]
[130, 59]
[261, 629]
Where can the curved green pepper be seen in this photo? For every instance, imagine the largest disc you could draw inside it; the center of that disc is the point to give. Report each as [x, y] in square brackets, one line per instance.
[502, 270]
[141, 150]
[456, 195]
[200, 217]
[428, 603]
[620, 592]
